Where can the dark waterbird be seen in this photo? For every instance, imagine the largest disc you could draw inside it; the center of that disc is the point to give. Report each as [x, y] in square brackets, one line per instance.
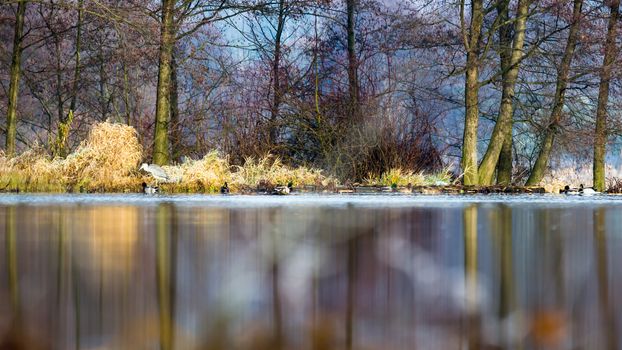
[224, 189]
[282, 190]
[569, 191]
[150, 189]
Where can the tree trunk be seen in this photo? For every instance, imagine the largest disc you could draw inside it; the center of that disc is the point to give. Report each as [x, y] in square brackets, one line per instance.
[174, 101]
[126, 94]
[353, 84]
[537, 172]
[167, 41]
[503, 125]
[11, 116]
[600, 140]
[276, 72]
[65, 123]
[471, 119]
[504, 165]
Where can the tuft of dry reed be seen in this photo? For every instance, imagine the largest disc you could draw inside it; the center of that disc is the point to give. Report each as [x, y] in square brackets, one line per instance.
[397, 177]
[271, 170]
[203, 175]
[105, 161]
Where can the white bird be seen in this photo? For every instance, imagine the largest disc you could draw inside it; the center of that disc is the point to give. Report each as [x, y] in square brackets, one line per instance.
[156, 172]
[587, 191]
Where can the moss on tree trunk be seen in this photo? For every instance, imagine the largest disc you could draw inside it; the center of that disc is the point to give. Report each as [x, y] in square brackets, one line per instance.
[11, 116]
[471, 93]
[167, 41]
[510, 68]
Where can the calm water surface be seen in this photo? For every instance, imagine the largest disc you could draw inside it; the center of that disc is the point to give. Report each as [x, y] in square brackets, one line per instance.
[310, 272]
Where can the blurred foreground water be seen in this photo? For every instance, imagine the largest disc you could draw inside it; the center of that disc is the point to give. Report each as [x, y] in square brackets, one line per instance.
[309, 272]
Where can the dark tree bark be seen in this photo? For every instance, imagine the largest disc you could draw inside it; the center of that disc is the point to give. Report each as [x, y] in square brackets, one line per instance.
[537, 172]
[65, 123]
[163, 105]
[174, 99]
[600, 140]
[471, 93]
[504, 165]
[510, 67]
[276, 72]
[16, 59]
[353, 84]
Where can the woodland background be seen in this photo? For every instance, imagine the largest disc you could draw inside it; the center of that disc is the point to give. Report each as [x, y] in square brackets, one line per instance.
[355, 87]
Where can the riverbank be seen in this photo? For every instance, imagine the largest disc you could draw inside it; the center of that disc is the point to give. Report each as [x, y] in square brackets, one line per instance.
[108, 162]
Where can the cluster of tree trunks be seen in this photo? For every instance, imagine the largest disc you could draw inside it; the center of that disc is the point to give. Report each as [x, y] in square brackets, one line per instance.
[537, 172]
[511, 33]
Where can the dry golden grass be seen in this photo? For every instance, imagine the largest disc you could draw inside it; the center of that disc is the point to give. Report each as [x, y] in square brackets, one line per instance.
[400, 177]
[271, 170]
[204, 175]
[30, 171]
[108, 160]
[105, 161]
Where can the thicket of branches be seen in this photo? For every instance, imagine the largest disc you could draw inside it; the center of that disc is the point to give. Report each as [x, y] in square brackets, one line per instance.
[503, 88]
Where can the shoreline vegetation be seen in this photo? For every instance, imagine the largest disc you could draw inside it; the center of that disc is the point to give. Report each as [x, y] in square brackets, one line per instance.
[332, 96]
[108, 161]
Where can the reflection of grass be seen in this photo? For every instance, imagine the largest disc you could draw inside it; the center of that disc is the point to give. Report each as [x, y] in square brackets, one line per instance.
[399, 177]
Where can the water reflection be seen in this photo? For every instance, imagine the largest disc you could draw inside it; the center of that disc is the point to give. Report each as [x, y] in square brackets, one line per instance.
[471, 320]
[482, 275]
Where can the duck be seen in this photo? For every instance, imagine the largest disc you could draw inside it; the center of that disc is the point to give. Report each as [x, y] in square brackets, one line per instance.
[282, 190]
[569, 191]
[224, 189]
[587, 191]
[147, 189]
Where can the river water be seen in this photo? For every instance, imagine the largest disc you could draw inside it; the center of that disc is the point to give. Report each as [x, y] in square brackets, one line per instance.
[310, 272]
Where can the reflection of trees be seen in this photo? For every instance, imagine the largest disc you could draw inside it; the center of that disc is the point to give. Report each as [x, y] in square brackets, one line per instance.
[277, 315]
[11, 247]
[507, 294]
[166, 246]
[558, 257]
[470, 270]
[607, 308]
[351, 289]
[504, 244]
[66, 262]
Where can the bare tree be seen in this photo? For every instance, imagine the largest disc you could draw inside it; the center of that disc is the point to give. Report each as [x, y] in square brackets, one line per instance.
[537, 171]
[11, 118]
[510, 67]
[600, 141]
[472, 41]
